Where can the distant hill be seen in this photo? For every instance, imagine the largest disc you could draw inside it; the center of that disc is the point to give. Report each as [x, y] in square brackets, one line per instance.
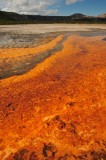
[77, 16]
[102, 16]
[10, 16]
[80, 16]
[15, 18]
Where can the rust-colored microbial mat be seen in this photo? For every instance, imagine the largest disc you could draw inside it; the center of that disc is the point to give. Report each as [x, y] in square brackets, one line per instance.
[56, 110]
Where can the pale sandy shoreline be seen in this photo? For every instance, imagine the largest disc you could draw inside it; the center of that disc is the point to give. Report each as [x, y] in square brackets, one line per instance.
[46, 28]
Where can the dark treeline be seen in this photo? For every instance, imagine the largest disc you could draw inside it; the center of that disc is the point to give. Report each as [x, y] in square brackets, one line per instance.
[14, 18]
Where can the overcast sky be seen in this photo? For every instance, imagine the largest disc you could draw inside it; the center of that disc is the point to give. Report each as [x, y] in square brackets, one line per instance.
[54, 7]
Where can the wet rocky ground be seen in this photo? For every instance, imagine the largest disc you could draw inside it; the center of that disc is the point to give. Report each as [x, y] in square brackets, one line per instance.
[19, 40]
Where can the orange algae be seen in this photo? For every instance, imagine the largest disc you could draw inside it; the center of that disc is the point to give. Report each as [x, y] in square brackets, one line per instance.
[57, 110]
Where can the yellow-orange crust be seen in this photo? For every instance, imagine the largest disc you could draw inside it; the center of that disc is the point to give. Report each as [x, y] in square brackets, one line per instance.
[58, 109]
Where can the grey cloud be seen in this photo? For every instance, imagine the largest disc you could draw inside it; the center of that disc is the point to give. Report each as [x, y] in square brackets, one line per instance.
[41, 7]
[30, 6]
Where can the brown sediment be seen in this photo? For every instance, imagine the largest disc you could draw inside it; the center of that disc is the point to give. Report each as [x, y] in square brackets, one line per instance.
[57, 110]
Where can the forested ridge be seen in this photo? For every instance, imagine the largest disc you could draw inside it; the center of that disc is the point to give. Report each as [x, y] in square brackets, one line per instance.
[15, 18]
